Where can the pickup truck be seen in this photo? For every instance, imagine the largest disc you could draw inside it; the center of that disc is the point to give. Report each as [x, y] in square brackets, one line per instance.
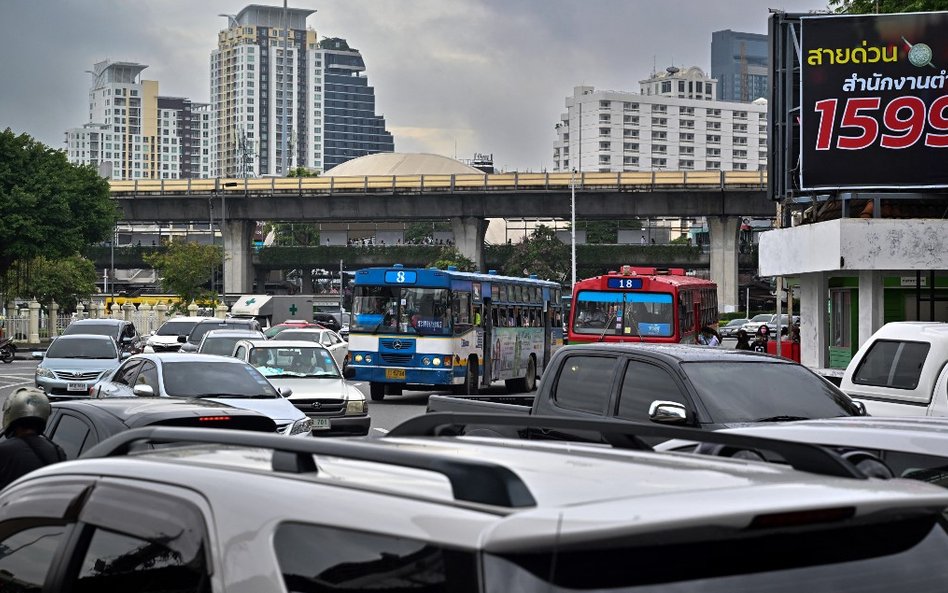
[708, 388]
[901, 370]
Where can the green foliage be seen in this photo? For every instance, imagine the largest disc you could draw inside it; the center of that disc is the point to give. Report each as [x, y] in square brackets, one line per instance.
[541, 254]
[287, 234]
[302, 172]
[886, 6]
[48, 206]
[64, 280]
[417, 232]
[450, 256]
[186, 268]
[602, 231]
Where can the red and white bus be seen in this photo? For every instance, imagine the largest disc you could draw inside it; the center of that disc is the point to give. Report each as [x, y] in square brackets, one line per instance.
[642, 305]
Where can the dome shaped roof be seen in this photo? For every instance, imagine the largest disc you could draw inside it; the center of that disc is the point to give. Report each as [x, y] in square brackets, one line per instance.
[400, 163]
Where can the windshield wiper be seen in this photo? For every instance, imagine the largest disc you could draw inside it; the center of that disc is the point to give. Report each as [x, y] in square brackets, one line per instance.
[781, 418]
[212, 395]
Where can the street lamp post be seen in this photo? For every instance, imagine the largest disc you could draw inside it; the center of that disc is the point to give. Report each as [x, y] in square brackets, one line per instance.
[572, 225]
[112, 266]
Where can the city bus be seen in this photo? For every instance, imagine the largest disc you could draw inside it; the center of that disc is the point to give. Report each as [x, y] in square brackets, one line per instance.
[426, 328]
[640, 304]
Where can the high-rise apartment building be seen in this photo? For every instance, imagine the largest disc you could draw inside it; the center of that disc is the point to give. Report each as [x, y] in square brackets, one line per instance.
[318, 86]
[673, 123]
[739, 63]
[133, 133]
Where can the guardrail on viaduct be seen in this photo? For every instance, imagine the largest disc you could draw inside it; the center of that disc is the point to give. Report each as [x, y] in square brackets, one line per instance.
[504, 182]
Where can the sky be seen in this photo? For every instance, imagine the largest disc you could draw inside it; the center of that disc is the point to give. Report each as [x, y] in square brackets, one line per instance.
[451, 77]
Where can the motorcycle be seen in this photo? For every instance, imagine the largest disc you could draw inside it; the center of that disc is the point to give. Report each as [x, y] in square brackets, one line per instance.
[7, 350]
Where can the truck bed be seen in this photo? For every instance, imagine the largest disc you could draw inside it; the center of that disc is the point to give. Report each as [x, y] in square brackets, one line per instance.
[499, 404]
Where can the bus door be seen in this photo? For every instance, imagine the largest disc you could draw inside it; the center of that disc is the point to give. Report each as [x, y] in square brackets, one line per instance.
[547, 332]
[488, 377]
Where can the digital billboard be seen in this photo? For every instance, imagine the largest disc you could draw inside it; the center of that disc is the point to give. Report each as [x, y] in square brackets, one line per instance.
[874, 101]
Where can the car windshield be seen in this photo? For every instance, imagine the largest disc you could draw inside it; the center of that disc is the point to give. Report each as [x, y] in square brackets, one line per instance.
[393, 309]
[202, 328]
[176, 328]
[762, 317]
[736, 322]
[903, 555]
[221, 345]
[93, 329]
[756, 390]
[279, 329]
[214, 379]
[292, 334]
[304, 361]
[82, 348]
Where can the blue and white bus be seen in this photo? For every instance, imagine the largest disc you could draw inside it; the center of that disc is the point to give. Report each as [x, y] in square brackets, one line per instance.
[439, 329]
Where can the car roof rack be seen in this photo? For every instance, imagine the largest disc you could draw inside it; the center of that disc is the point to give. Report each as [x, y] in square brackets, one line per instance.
[628, 435]
[472, 480]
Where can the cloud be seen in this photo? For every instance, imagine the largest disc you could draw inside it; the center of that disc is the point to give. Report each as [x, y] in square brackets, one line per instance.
[490, 76]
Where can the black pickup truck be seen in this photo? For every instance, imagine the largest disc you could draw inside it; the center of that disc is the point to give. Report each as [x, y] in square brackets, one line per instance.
[708, 388]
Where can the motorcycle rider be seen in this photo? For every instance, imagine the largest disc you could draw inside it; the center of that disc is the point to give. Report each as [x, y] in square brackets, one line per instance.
[26, 448]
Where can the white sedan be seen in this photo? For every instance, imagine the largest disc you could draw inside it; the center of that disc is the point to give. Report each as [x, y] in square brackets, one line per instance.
[338, 348]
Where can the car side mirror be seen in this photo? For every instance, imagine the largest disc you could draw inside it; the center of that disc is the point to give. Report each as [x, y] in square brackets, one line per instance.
[38, 355]
[182, 339]
[666, 412]
[285, 391]
[124, 355]
[127, 339]
[349, 372]
[142, 390]
[861, 407]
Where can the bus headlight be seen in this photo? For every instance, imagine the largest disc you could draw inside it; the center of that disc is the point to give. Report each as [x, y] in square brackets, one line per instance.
[368, 358]
[358, 358]
[426, 361]
[436, 362]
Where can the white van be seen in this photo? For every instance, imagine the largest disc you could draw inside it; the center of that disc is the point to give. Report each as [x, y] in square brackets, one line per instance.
[901, 370]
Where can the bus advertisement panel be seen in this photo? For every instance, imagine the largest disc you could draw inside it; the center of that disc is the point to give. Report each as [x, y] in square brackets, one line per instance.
[446, 329]
[642, 305]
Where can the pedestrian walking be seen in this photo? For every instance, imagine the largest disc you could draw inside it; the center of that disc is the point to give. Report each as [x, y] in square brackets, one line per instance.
[743, 340]
[26, 448]
[709, 337]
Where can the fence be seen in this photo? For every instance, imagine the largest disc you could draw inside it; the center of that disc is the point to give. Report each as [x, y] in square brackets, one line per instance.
[34, 324]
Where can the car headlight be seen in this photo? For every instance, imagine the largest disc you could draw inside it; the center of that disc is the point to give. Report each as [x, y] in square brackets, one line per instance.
[45, 373]
[302, 426]
[356, 406]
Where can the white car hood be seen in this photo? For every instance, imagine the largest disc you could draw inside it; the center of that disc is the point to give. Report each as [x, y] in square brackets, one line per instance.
[304, 388]
[162, 340]
[279, 410]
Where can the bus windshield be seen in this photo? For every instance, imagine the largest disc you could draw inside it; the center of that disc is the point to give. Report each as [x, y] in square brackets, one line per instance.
[396, 309]
[624, 313]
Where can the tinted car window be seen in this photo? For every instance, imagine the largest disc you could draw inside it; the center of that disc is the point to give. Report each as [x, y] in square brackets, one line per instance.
[205, 326]
[26, 557]
[891, 363]
[148, 376]
[584, 383]
[218, 379]
[315, 558]
[642, 384]
[116, 562]
[176, 328]
[127, 372]
[752, 391]
[81, 348]
[220, 346]
[71, 434]
[96, 329]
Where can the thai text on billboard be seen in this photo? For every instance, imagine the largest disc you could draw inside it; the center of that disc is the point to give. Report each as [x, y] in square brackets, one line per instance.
[874, 101]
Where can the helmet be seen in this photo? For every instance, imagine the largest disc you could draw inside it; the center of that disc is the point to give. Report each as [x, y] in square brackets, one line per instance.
[25, 402]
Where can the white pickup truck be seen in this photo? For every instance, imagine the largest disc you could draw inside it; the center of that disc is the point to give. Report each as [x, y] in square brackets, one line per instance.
[901, 370]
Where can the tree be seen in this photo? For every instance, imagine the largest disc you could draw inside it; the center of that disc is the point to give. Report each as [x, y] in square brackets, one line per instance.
[450, 256]
[186, 268]
[886, 6]
[64, 280]
[542, 254]
[48, 206]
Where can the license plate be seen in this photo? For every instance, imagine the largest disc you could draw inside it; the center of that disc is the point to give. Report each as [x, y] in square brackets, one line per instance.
[320, 423]
[76, 387]
[397, 374]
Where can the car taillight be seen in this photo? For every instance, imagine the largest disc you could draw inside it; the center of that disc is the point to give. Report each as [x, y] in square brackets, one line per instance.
[213, 418]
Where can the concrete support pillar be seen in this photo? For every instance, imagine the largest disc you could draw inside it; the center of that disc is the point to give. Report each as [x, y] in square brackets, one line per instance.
[220, 311]
[162, 310]
[34, 322]
[52, 319]
[102, 314]
[127, 310]
[192, 309]
[116, 310]
[262, 276]
[814, 322]
[724, 250]
[870, 304]
[80, 311]
[238, 265]
[146, 322]
[469, 238]
[11, 313]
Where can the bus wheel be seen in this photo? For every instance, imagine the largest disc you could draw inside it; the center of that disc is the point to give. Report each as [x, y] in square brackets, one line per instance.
[377, 391]
[526, 383]
[469, 387]
[393, 389]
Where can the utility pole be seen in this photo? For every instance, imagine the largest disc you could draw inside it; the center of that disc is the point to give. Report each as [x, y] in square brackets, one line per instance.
[283, 138]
